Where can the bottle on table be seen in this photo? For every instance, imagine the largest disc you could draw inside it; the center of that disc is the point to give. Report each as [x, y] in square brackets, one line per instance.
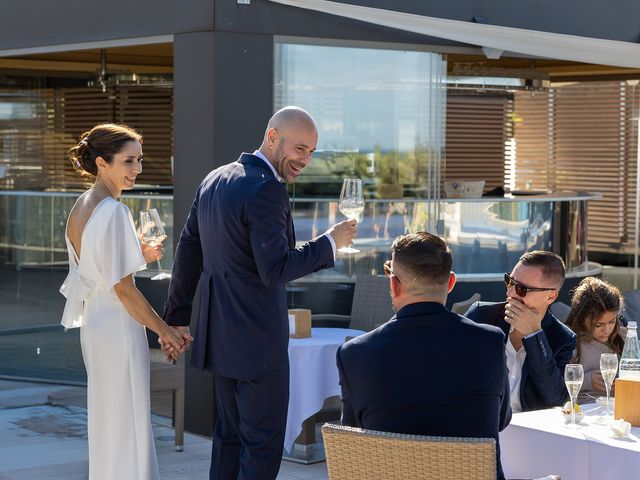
[630, 359]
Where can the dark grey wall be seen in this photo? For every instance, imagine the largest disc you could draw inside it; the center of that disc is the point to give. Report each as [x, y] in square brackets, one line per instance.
[31, 23]
[611, 19]
[243, 92]
[223, 84]
[223, 89]
[263, 16]
[193, 118]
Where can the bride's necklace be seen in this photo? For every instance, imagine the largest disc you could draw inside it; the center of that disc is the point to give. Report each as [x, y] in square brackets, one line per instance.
[103, 189]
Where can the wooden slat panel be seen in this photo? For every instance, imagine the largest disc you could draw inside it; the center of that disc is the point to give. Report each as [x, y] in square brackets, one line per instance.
[33, 149]
[583, 137]
[475, 138]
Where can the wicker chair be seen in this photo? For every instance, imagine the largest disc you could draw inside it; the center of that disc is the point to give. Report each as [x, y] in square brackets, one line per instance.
[357, 454]
[371, 306]
[168, 376]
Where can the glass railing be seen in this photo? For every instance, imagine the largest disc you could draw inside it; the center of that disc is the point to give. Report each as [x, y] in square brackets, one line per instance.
[33, 265]
[486, 236]
[32, 226]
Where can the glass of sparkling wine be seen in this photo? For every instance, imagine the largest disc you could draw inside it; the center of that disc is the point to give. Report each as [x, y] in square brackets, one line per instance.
[351, 204]
[573, 378]
[608, 369]
[153, 235]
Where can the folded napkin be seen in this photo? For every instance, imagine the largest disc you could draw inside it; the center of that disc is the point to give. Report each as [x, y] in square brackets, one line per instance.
[620, 428]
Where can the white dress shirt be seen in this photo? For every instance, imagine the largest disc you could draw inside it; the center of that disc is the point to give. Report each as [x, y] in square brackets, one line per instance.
[515, 360]
[259, 154]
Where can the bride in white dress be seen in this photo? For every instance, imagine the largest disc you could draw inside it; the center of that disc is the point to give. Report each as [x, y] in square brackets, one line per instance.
[102, 299]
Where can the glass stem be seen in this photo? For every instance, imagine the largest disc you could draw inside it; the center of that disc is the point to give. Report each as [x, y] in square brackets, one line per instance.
[159, 266]
[608, 388]
[573, 412]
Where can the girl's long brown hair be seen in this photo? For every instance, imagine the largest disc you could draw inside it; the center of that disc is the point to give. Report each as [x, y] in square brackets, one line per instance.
[591, 299]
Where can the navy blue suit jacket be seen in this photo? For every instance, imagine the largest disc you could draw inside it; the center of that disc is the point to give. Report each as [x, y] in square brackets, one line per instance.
[427, 371]
[542, 381]
[239, 243]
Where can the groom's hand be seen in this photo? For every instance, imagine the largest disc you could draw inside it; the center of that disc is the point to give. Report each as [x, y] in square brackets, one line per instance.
[186, 336]
[343, 233]
[170, 352]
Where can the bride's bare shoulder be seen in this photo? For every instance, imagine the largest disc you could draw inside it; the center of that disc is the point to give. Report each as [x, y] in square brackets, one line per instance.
[83, 207]
[80, 214]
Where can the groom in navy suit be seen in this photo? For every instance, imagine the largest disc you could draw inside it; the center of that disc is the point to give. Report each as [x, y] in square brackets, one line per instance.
[239, 246]
[427, 371]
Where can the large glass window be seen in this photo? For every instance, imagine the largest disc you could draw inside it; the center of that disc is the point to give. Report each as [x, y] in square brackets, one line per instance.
[380, 116]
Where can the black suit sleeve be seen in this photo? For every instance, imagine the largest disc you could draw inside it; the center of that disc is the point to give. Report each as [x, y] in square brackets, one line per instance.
[348, 414]
[187, 265]
[276, 261]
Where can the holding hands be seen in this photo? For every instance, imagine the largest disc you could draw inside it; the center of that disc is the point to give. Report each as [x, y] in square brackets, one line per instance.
[174, 341]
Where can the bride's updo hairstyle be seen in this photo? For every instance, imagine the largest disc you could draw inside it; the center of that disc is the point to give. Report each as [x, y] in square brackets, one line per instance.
[103, 140]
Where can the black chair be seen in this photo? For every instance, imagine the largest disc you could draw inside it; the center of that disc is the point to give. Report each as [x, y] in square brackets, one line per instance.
[371, 306]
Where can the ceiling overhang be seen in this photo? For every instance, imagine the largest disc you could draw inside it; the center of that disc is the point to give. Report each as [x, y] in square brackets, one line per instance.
[492, 39]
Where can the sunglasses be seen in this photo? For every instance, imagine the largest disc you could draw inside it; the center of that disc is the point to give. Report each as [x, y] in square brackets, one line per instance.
[388, 271]
[521, 289]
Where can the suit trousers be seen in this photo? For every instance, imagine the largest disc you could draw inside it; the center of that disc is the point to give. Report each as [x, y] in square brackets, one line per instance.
[249, 434]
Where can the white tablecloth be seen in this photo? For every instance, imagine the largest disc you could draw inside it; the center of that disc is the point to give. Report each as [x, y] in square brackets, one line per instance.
[539, 443]
[314, 375]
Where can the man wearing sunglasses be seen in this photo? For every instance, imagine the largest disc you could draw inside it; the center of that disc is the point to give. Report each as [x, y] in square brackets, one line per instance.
[427, 371]
[538, 345]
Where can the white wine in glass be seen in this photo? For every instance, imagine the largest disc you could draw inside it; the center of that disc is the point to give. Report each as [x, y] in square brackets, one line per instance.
[573, 378]
[351, 204]
[608, 369]
[153, 235]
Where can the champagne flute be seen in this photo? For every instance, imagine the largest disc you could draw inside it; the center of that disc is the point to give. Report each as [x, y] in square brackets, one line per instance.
[573, 378]
[351, 204]
[608, 369]
[153, 235]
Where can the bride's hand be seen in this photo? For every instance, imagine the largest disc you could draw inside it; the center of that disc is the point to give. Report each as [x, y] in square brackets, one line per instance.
[152, 253]
[172, 341]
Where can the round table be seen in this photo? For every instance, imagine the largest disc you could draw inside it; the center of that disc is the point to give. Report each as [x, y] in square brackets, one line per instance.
[313, 375]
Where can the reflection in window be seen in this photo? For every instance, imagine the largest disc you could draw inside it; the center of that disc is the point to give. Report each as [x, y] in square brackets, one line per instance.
[380, 117]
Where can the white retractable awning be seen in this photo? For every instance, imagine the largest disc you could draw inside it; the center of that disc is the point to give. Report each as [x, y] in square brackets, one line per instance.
[517, 40]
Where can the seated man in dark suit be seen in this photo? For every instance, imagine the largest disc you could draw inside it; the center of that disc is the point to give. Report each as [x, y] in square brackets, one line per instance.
[426, 371]
[538, 345]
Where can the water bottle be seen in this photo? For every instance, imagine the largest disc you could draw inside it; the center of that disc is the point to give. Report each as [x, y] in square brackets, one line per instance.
[630, 359]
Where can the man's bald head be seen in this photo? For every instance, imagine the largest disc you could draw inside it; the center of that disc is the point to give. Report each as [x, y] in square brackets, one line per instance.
[289, 116]
[289, 141]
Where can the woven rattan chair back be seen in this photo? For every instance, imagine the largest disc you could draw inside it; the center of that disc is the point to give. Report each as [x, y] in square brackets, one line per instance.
[371, 305]
[167, 376]
[357, 454]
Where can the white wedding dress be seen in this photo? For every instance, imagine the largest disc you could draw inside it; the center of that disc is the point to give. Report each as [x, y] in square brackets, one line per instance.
[114, 346]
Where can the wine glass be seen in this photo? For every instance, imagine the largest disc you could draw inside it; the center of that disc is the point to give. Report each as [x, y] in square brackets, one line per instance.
[608, 369]
[351, 204]
[153, 235]
[573, 378]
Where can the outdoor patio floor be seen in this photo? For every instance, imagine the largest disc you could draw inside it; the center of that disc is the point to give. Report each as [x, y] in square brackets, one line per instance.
[43, 436]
